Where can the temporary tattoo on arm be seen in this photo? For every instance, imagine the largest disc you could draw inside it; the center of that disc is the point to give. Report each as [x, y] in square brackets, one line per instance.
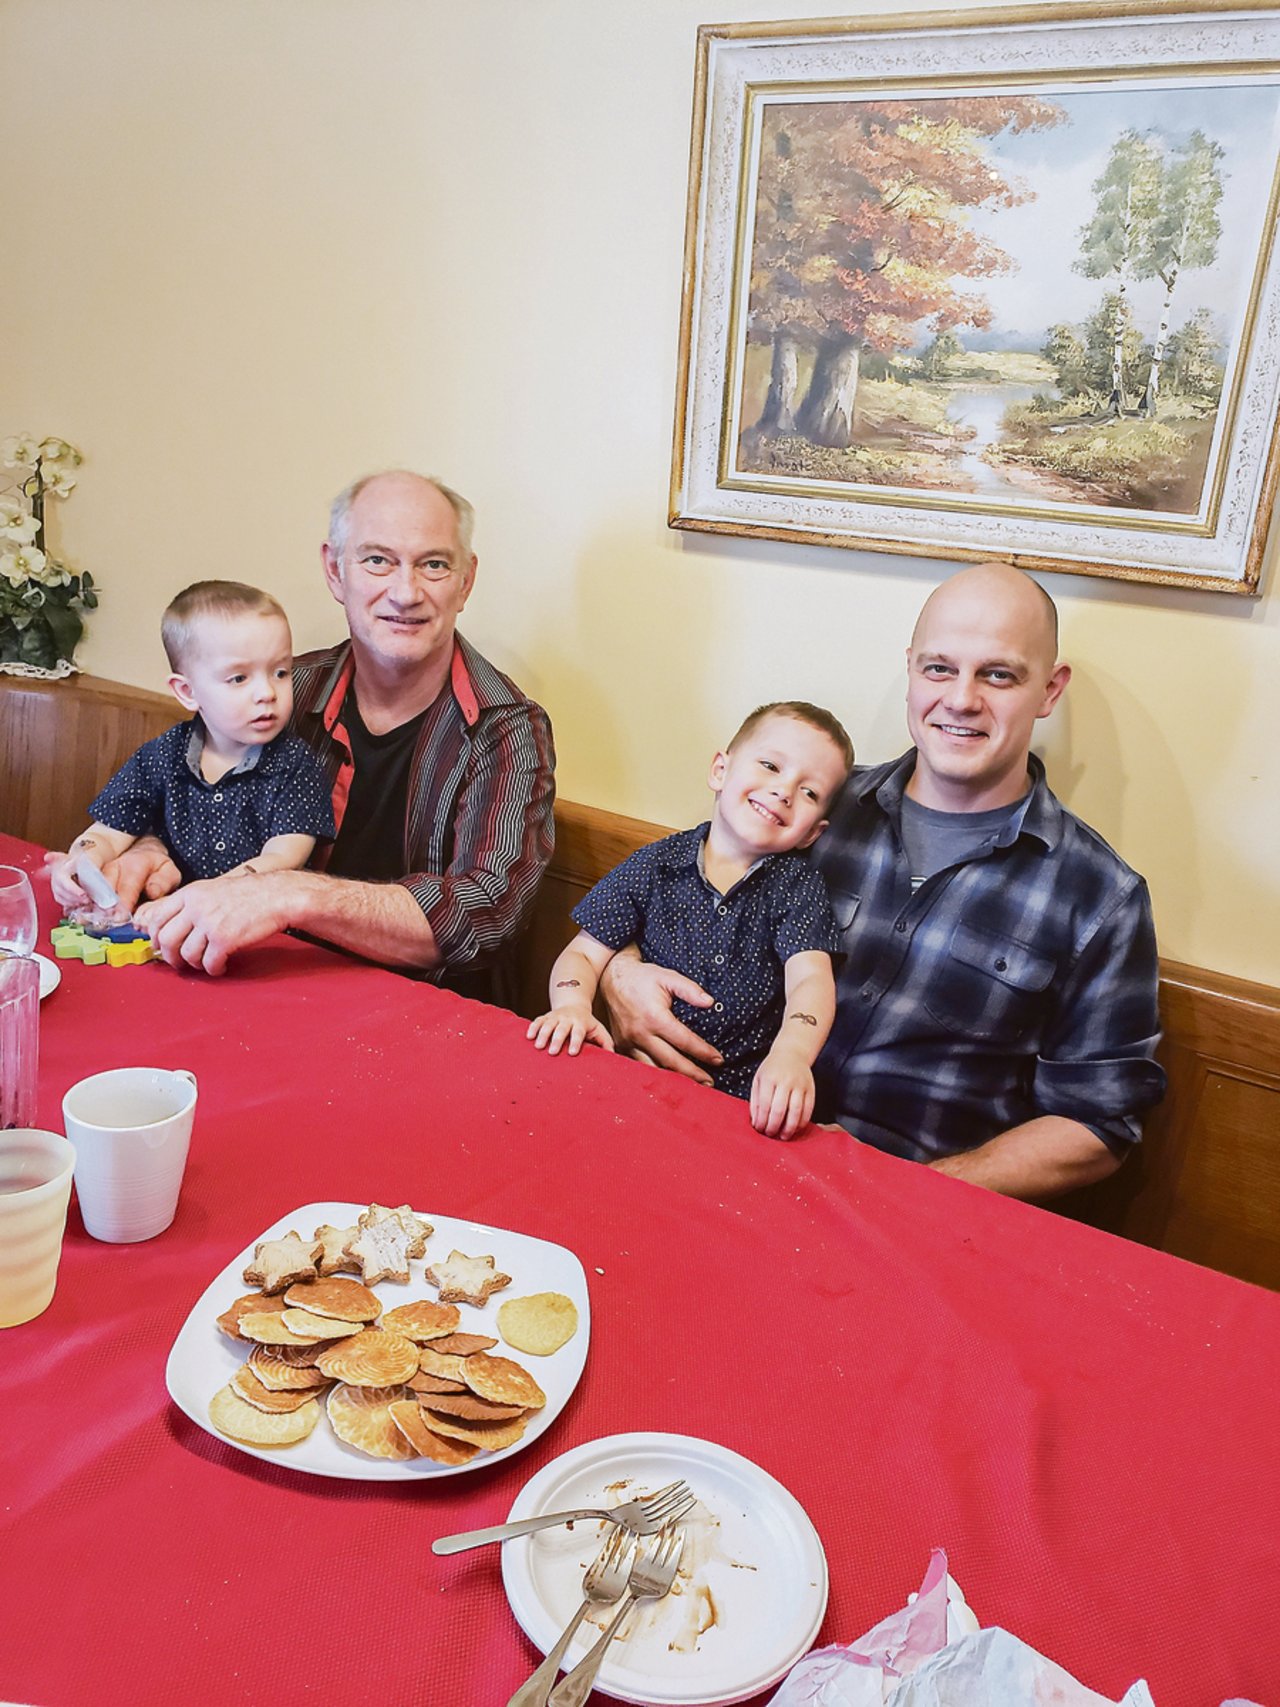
[807, 1018]
[83, 842]
[567, 984]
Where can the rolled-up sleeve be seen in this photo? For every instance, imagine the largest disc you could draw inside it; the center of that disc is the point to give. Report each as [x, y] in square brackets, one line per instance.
[503, 836]
[1097, 1064]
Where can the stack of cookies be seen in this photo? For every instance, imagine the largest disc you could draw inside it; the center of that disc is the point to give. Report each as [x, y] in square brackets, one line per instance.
[401, 1384]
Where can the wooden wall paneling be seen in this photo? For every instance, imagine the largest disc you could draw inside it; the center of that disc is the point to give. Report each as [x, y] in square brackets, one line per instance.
[60, 741]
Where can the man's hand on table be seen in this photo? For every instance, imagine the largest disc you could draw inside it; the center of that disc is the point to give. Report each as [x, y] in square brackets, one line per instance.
[640, 995]
[144, 869]
[205, 923]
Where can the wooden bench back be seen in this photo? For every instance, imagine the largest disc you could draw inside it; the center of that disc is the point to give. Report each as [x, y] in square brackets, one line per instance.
[1205, 1183]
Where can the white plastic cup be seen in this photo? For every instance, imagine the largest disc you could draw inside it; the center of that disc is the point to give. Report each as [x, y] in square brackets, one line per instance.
[131, 1129]
[35, 1184]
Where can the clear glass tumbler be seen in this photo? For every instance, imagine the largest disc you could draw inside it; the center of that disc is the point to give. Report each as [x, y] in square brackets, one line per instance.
[19, 1040]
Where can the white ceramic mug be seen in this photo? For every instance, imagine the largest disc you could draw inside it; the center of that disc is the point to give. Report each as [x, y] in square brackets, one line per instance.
[35, 1184]
[131, 1128]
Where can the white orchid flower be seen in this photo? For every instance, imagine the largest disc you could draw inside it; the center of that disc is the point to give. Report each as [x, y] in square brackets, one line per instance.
[21, 531]
[20, 451]
[17, 524]
[57, 481]
[58, 450]
[53, 574]
[22, 564]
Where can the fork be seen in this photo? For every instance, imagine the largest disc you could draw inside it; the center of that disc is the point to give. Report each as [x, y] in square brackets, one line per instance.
[603, 1584]
[650, 1579]
[639, 1517]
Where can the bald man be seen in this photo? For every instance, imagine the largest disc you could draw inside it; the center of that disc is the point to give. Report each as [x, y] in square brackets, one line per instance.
[997, 1010]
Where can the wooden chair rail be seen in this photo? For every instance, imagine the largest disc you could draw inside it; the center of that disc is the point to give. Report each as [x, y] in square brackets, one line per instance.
[1204, 1184]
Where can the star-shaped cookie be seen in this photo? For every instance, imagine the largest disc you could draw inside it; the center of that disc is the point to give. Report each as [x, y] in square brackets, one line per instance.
[419, 1231]
[334, 1256]
[466, 1280]
[277, 1263]
[382, 1252]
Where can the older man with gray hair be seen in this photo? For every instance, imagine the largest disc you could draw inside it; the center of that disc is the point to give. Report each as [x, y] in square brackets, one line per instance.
[441, 769]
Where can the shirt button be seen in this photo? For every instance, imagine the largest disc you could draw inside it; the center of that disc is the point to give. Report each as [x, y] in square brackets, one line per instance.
[866, 995]
[901, 925]
[1002, 965]
[719, 959]
[719, 1007]
[722, 908]
[220, 846]
[218, 795]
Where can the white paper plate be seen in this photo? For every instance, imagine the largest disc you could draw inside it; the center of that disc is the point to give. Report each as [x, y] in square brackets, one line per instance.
[754, 1560]
[50, 972]
[204, 1359]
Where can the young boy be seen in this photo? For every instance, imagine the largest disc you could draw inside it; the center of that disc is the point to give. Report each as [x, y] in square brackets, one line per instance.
[228, 791]
[731, 906]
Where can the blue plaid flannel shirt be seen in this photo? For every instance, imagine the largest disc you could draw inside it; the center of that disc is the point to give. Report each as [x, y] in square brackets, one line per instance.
[1021, 982]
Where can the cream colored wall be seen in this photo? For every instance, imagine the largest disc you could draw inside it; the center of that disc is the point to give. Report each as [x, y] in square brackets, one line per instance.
[255, 247]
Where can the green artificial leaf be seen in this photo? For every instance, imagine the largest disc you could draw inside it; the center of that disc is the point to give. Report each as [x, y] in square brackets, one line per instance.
[64, 628]
[37, 645]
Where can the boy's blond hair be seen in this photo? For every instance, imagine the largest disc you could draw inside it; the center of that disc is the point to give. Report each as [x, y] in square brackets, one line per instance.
[814, 715]
[181, 621]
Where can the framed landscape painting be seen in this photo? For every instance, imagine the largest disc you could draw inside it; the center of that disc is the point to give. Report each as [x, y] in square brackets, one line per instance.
[995, 288]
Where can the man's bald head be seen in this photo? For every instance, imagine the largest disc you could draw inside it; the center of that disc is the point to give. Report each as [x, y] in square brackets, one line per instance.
[994, 592]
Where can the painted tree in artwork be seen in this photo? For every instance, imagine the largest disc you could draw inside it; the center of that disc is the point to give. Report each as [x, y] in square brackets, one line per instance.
[1116, 241]
[862, 232]
[1184, 233]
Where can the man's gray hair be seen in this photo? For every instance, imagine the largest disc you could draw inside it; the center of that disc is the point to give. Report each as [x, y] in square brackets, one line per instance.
[340, 510]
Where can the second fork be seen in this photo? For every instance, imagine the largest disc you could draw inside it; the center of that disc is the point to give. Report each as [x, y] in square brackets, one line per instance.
[603, 1584]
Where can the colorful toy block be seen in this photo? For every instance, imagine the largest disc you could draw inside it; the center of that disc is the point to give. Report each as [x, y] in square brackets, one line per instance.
[123, 946]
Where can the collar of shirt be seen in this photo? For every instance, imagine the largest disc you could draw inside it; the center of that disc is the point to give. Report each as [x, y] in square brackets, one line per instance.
[688, 847]
[1038, 815]
[475, 685]
[195, 752]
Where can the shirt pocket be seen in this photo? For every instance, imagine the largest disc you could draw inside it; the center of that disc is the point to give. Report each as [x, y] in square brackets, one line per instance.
[843, 907]
[989, 985]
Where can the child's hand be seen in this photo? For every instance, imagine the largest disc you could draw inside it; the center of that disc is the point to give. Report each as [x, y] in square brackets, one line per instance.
[62, 872]
[781, 1094]
[574, 1024]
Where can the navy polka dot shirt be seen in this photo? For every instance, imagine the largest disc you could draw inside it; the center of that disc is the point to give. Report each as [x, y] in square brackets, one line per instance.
[211, 827]
[736, 945]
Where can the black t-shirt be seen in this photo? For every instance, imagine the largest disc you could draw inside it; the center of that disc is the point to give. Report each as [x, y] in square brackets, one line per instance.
[370, 844]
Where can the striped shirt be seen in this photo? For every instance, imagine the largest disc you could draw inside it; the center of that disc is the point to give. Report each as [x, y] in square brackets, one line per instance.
[1019, 981]
[478, 830]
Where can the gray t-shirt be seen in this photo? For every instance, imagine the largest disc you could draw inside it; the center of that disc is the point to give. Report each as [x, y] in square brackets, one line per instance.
[934, 840]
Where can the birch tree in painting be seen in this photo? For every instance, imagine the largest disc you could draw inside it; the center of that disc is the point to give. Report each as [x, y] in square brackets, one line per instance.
[1185, 233]
[1116, 242]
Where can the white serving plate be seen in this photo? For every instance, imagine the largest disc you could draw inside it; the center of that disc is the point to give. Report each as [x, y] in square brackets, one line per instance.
[204, 1359]
[755, 1562]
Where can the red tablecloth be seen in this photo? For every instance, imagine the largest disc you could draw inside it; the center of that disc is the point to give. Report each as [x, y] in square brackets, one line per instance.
[1089, 1428]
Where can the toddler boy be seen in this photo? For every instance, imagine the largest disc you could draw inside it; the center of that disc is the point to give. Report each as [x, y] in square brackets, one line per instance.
[731, 906]
[228, 791]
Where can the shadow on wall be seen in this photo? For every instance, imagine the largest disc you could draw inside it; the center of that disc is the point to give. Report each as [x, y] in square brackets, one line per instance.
[1135, 813]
